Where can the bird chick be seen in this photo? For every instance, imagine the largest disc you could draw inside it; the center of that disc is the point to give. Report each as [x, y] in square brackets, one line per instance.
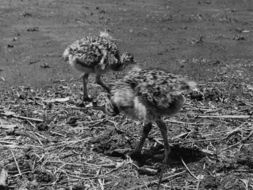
[97, 55]
[148, 95]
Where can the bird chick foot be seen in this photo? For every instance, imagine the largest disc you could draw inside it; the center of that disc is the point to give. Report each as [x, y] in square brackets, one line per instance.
[138, 158]
[87, 99]
[84, 102]
[135, 155]
[161, 170]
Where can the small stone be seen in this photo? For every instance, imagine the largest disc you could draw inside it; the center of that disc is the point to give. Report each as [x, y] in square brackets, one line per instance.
[45, 65]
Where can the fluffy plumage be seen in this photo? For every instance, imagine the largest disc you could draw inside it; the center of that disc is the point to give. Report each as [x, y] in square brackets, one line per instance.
[147, 95]
[153, 92]
[97, 55]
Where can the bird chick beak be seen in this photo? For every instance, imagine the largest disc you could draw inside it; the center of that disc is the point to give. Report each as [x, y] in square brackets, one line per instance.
[94, 106]
[103, 109]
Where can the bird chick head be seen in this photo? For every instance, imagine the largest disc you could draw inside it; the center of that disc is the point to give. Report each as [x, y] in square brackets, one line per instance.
[111, 108]
[106, 105]
[127, 59]
[126, 62]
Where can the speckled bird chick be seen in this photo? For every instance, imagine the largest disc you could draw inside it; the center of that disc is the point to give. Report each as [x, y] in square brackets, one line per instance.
[97, 55]
[148, 95]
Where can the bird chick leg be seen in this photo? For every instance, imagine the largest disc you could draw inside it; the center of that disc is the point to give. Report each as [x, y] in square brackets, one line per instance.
[163, 130]
[85, 91]
[145, 131]
[101, 83]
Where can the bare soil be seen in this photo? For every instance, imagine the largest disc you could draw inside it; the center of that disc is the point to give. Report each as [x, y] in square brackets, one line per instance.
[47, 142]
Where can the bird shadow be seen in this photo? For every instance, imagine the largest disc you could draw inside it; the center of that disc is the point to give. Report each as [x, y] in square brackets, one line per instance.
[152, 156]
[177, 154]
[115, 143]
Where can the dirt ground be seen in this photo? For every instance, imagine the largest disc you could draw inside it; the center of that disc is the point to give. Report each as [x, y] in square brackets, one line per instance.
[166, 34]
[208, 40]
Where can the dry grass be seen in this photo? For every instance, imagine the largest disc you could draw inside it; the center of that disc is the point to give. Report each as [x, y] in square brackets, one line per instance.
[47, 142]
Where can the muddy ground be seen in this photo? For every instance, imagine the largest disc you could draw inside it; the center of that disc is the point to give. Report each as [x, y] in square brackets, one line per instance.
[66, 147]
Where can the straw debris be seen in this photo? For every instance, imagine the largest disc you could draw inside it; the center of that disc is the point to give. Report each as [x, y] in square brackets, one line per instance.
[48, 142]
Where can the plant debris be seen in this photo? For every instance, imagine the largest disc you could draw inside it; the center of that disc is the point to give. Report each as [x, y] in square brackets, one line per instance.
[33, 29]
[47, 141]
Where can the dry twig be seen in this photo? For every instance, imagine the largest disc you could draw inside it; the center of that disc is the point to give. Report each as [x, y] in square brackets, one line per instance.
[226, 116]
[12, 114]
[13, 155]
[188, 169]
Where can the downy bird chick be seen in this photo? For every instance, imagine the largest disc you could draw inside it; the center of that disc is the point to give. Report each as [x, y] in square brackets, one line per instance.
[97, 55]
[148, 95]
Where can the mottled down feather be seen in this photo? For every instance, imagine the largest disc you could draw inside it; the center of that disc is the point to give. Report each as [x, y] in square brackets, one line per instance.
[156, 87]
[88, 50]
[150, 93]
